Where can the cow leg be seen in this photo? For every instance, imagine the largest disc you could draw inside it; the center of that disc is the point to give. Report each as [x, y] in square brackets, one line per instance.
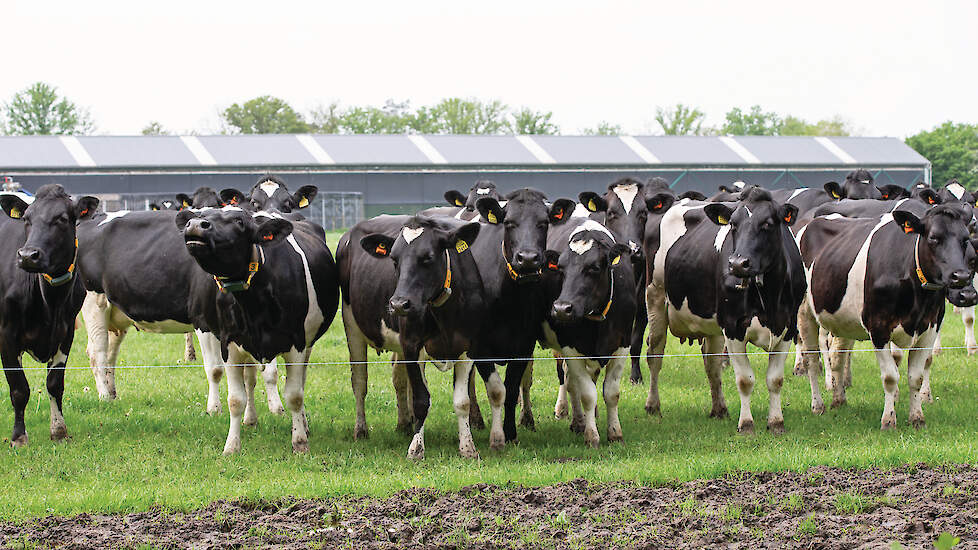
[421, 399]
[514, 378]
[658, 327]
[890, 376]
[295, 381]
[712, 348]
[918, 363]
[808, 344]
[475, 413]
[237, 397]
[526, 409]
[496, 390]
[250, 380]
[799, 369]
[56, 392]
[20, 393]
[744, 374]
[775, 380]
[968, 317]
[461, 378]
[560, 407]
[638, 334]
[115, 343]
[824, 345]
[574, 398]
[582, 384]
[838, 358]
[925, 394]
[95, 313]
[210, 349]
[356, 343]
[269, 374]
[937, 349]
[612, 392]
[189, 355]
[402, 394]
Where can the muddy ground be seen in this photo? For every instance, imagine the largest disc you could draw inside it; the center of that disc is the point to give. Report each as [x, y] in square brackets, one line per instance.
[820, 508]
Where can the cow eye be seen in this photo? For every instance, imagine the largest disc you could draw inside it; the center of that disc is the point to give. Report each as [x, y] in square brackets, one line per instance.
[592, 269]
[426, 259]
[543, 225]
[509, 224]
[766, 226]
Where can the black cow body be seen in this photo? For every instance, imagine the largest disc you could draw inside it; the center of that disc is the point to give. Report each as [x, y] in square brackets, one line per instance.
[41, 295]
[729, 284]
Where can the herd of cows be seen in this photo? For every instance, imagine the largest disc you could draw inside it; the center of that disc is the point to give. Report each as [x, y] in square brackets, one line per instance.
[475, 286]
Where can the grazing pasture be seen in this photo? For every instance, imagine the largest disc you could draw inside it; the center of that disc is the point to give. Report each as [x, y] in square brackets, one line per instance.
[155, 444]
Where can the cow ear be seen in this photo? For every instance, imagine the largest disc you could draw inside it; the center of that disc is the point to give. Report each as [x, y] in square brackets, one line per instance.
[455, 198]
[85, 207]
[463, 237]
[183, 217]
[718, 213]
[273, 231]
[553, 260]
[184, 201]
[593, 201]
[154, 207]
[660, 202]
[490, 210]
[692, 195]
[304, 195]
[561, 210]
[617, 252]
[929, 196]
[13, 206]
[724, 189]
[884, 192]
[908, 222]
[834, 190]
[377, 245]
[789, 213]
[233, 197]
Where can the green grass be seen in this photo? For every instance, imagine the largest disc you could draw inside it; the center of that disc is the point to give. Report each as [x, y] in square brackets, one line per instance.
[155, 446]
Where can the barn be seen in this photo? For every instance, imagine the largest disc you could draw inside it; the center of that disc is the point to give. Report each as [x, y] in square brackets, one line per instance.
[364, 175]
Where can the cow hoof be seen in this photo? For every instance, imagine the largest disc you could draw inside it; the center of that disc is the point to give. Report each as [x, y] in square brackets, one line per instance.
[818, 409]
[720, 413]
[972, 350]
[888, 423]
[615, 437]
[476, 422]
[20, 441]
[250, 421]
[360, 432]
[214, 410]
[593, 442]
[776, 428]
[799, 370]
[528, 422]
[636, 381]
[926, 397]
[59, 433]
[469, 451]
[560, 413]
[276, 410]
[836, 403]
[577, 427]
[497, 443]
[746, 427]
[300, 447]
[105, 396]
[416, 450]
[918, 423]
[653, 410]
[232, 447]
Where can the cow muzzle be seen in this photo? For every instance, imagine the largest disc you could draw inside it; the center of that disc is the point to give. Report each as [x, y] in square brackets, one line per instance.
[740, 266]
[401, 306]
[195, 234]
[29, 259]
[959, 279]
[562, 312]
[527, 262]
[963, 297]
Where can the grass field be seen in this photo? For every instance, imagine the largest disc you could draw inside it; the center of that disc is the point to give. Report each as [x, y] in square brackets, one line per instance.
[155, 445]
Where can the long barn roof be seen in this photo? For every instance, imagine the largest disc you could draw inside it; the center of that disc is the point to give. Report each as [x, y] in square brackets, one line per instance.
[93, 153]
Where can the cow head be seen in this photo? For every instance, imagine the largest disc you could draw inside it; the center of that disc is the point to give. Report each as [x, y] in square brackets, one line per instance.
[204, 197]
[51, 245]
[270, 193]
[953, 191]
[587, 266]
[223, 241]
[732, 192]
[943, 253]
[482, 188]
[892, 192]
[525, 219]
[422, 263]
[165, 204]
[858, 185]
[757, 226]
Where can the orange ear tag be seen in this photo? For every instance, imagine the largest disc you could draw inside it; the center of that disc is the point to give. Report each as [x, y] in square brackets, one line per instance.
[559, 215]
[268, 237]
[381, 249]
[907, 227]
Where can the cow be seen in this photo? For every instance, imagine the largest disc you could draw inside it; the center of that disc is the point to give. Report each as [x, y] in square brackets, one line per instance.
[592, 287]
[266, 287]
[203, 197]
[423, 299]
[885, 280]
[271, 193]
[953, 191]
[727, 274]
[892, 192]
[858, 185]
[41, 295]
[482, 188]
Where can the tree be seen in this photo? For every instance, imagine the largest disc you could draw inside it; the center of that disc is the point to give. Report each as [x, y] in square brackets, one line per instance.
[751, 123]
[154, 128]
[462, 116]
[604, 128]
[528, 121]
[39, 110]
[681, 120]
[953, 152]
[263, 115]
[325, 119]
[794, 126]
[392, 118]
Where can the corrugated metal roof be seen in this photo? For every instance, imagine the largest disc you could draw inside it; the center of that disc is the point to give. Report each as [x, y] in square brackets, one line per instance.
[319, 151]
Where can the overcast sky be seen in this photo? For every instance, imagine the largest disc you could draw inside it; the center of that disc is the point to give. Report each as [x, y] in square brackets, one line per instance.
[892, 68]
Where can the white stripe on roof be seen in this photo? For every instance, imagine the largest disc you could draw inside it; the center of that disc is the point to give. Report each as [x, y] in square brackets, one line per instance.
[317, 152]
[427, 149]
[741, 151]
[77, 151]
[835, 150]
[639, 149]
[198, 150]
[534, 148]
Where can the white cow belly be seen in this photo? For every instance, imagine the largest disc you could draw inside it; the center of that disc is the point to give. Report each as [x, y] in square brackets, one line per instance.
[164, 327]
[683, 323]
[762, 337]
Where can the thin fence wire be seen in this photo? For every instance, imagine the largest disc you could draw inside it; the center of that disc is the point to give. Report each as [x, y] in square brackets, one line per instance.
[500, 360]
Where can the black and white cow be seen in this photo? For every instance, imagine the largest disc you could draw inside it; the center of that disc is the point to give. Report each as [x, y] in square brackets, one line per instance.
[885, 280]
[41, 295]
[203, 197]
[858, 185]
[266, 287]
[893, 192]
[481, 189]
[727, 274]
[417, 293]
[592, 282]
[271, 193]
[953, 191]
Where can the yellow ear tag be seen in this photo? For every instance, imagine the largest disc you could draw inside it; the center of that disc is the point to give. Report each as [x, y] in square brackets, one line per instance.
[836, 195]
[591, 206]
[722, 220]
[186, 204]
[491, 217]
[459, 203]
[461, 246]
[303, 202]
[14, 212]
[616, 260]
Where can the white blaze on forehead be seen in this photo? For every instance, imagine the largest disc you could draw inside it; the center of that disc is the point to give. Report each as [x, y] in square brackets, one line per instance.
[580, 211]
[739, 184]
[411, 233]
[230, 208]
[626, 194]
[956, 189]
[482, 191]
[864, 181]
[269, 187]
[582, 246]
[591, 225]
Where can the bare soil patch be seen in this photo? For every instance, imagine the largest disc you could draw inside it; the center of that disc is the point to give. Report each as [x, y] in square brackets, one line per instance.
[820, 508]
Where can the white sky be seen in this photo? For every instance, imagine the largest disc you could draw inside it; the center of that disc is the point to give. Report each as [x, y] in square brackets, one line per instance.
[891, 67]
